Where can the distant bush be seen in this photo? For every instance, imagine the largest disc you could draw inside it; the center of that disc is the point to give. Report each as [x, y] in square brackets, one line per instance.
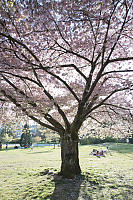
[109, 139]
[15, 141]
[95, 140]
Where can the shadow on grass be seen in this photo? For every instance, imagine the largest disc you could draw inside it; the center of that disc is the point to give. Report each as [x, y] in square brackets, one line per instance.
[32, 152]
[81, 187]
[88, 186]
[66, 188]
[9, 149]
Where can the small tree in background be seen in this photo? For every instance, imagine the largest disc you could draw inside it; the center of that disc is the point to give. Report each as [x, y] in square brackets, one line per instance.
[25, 137]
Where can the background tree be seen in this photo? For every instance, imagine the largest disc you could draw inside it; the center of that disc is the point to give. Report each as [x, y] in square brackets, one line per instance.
[62, 62]
[37, 139]
[25, 139]
[39, 131]
[7, 131]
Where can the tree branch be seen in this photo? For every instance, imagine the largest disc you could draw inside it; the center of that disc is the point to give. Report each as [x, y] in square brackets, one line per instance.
[49, 96]
[120, 59]
[74, 53]
[34, 105]
[64, 82]
[13, 100]
[104, 100]
[76, 68]
[122, 27]
[119, 71]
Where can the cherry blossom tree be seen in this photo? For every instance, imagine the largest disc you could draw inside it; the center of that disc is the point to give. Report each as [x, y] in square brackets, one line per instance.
[62, 62]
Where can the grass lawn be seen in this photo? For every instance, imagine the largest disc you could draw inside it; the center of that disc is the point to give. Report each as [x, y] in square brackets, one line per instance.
[28, 175]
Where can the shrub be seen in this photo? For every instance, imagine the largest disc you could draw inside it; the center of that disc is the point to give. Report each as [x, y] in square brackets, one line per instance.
[109, 139]
[15, 141]
[96, 140]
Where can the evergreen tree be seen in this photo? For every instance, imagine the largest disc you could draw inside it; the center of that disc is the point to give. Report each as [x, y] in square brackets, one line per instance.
[25, 137]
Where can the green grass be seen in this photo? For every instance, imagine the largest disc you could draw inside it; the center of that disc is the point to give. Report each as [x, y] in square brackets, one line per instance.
[23, 174]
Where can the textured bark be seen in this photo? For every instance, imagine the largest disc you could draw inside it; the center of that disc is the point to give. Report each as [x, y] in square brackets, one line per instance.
[70, 159]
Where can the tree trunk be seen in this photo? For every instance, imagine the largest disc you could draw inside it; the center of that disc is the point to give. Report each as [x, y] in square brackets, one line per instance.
[69, 155]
